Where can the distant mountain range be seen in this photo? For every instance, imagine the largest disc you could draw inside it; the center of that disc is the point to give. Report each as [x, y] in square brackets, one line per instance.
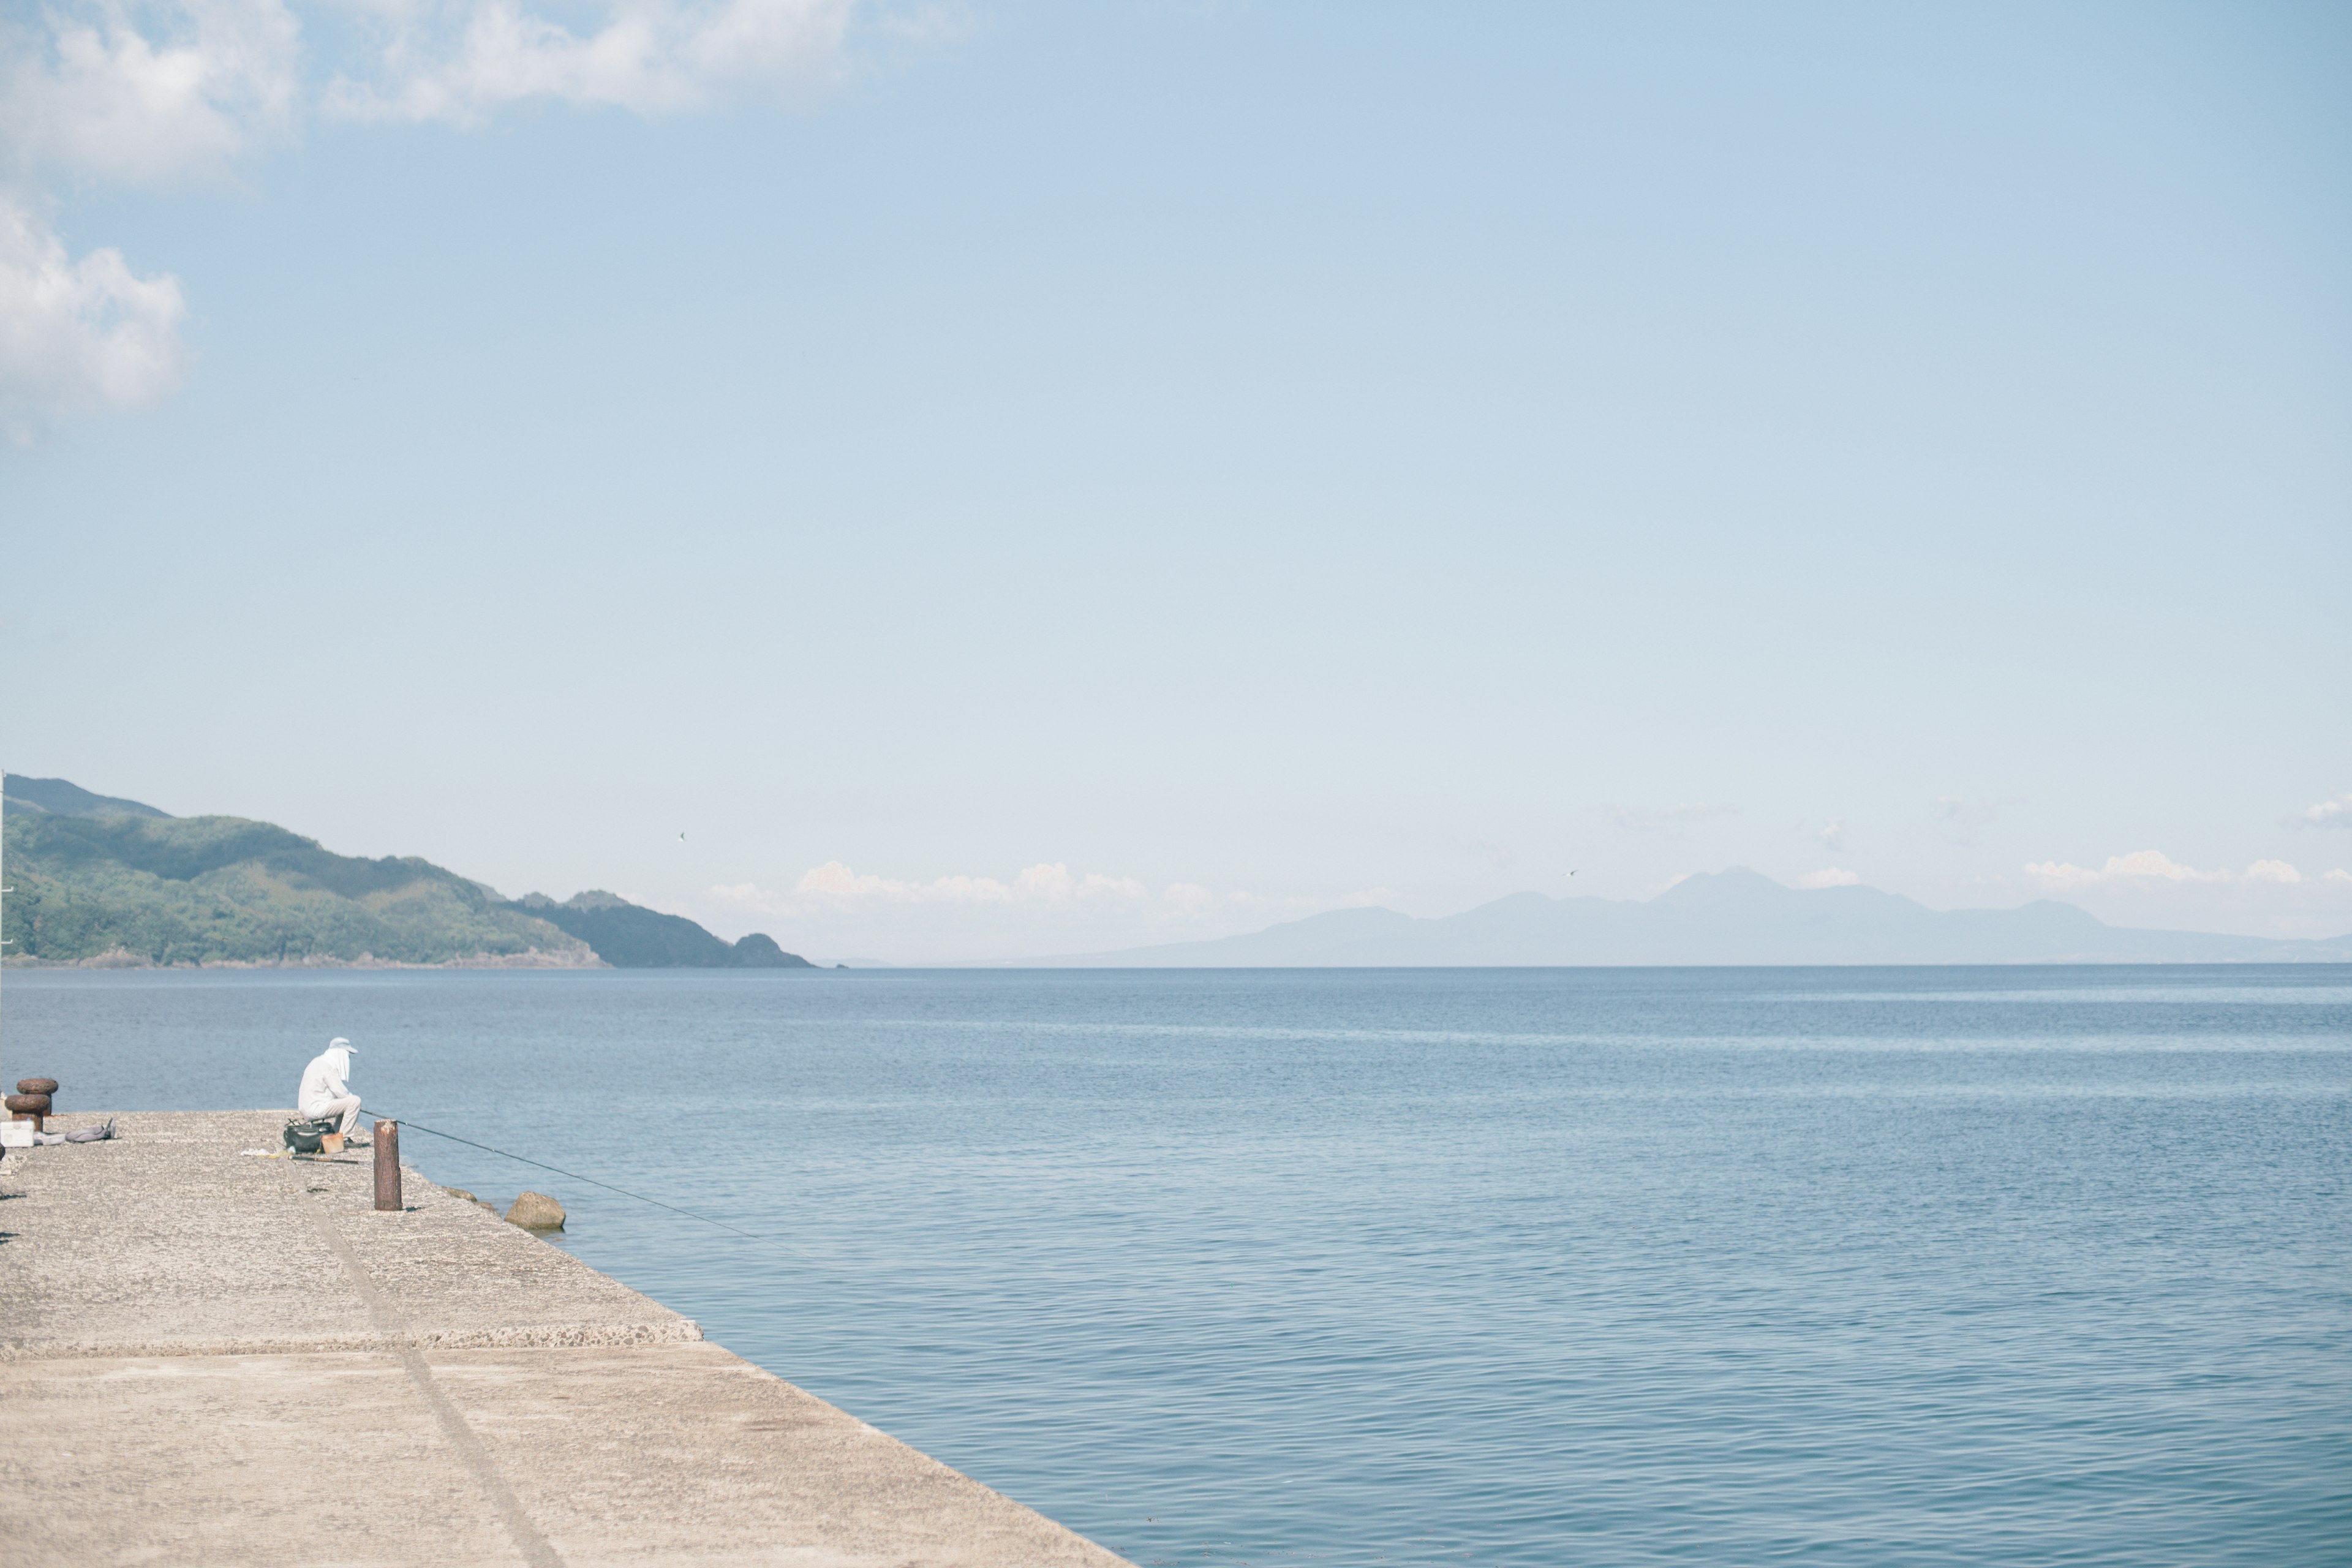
[1736, 916]
[105, 881]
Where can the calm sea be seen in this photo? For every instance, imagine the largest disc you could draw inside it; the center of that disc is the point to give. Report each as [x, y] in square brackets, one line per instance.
[1852, 1266]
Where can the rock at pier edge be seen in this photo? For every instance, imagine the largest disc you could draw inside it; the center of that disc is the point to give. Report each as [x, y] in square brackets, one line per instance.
[197, 1335]
[536, 1211]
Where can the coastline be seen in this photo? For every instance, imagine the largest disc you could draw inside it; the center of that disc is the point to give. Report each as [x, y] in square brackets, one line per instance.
[201, 1336]
[124, 958]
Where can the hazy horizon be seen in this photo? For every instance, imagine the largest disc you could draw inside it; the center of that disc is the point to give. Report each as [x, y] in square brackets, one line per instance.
[1844, 921]
[988, 480]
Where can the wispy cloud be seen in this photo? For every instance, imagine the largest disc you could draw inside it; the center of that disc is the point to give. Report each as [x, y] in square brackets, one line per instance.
[2337, 813]
[1042, 910]
[1664, 818]
[1044, 883]
[1501, 857]
[1830, 834]
[463, 64]
[937, 22]
[1960, 821]
[2148, 888]
[1829, 877]
[1190, 898]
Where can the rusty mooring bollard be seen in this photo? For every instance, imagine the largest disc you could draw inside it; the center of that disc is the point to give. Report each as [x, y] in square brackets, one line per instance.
[387, 1167]
[31, 1100]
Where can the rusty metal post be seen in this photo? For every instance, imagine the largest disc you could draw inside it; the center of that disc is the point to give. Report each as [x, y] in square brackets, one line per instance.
[387, 1167]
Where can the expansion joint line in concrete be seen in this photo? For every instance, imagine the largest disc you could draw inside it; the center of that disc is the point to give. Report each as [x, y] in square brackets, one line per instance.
[536, 1549]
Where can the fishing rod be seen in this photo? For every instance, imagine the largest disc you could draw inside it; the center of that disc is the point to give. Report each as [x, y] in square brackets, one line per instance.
[576, 1176]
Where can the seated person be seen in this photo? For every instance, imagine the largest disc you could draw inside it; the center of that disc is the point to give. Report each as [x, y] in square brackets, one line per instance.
[324, 1094]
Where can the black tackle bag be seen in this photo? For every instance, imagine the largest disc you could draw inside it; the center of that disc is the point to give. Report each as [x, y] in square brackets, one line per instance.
[305, 1136]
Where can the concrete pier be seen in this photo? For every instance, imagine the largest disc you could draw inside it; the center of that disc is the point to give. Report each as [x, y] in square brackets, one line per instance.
[210, 1358]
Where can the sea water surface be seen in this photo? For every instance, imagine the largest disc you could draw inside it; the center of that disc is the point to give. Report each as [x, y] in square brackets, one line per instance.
[1515, 1267]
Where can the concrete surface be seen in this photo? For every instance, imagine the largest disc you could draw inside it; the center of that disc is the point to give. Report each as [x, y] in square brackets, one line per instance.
[210, 1358]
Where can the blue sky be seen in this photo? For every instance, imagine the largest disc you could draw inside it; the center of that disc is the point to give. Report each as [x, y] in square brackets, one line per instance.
[1009, 479]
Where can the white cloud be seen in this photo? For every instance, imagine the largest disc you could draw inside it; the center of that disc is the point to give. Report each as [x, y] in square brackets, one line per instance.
[2148, 888]
[88, 335]
[651, 57]
[2151, 868]
[2338, 875]
[144, 92]
[1053, 883]
[1829, 877]
[2140, 865]
[1831, 835]
[2337, 813]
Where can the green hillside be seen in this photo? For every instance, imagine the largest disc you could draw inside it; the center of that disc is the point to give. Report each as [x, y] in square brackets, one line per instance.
[97, 876]
[214, 889]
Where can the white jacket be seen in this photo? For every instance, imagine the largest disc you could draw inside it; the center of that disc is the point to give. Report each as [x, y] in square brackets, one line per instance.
[322, 1081]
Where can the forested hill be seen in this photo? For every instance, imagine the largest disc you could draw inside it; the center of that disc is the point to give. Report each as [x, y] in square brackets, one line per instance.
[630, 936]
[105, 880]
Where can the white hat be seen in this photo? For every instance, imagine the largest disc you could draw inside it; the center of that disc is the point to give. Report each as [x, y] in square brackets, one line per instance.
[341, 1044]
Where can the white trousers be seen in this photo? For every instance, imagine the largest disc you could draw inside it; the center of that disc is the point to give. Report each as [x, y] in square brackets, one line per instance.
[347, 1110]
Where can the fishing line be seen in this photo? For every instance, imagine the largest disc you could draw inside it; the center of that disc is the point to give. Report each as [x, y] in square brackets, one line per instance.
[576, 1176]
